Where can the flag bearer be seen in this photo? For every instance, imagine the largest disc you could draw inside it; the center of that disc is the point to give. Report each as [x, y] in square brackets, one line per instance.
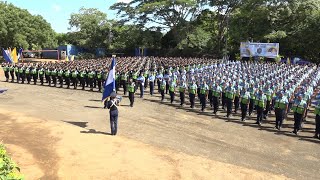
[113, 104]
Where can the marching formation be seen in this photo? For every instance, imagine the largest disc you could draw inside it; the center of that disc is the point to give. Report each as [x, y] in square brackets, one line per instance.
[75, 74]
[235, 87]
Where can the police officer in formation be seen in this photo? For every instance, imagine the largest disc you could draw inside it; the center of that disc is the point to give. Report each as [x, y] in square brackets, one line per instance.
[16, 71]
[151, 80]
[22, 74]
[244, 101]
[317, 119]
[163, 85]
[229, 98]
[131, 88]
[182, 91]
[204, 88]
[55, 73]
[299, 108]
[159, 79]
[216, 96]
[124, 80]
[172, 89]
[260, 103]
[35, 75]
[141, 81]
[5, 68]
[60, 77]
[255, 87]
[192, 93]
[281, 106]
[12, 72]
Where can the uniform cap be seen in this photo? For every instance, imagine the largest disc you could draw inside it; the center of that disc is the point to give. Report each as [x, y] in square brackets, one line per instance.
[113, 95]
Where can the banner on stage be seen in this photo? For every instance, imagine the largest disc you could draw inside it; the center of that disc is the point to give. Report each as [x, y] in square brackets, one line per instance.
[270, 50]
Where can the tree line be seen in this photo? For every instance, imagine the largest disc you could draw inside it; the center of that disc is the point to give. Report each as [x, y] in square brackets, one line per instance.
[176, 28]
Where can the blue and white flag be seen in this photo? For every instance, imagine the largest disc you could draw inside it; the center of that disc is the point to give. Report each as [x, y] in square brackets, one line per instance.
[110, 84]
[7, 56]
[20, 53]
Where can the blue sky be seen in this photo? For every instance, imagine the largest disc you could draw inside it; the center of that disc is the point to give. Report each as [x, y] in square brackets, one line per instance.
[57, 12]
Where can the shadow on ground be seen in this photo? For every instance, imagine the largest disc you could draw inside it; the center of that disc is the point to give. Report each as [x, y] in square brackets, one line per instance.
[94, 107]
[286, 129]
[93, 131]
[79, 124]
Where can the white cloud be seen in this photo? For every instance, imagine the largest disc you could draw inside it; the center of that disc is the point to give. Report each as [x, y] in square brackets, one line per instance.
[56, 8]
[124, 1]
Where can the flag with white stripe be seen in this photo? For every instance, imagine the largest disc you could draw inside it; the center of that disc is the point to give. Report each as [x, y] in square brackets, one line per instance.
[110, 84]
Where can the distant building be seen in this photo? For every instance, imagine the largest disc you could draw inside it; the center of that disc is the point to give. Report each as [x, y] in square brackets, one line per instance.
[69, 50]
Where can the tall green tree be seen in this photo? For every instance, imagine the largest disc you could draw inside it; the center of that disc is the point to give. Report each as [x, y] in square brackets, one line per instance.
[163, 13]
[133, 36]
[285, 21]
[91, 27]
[18, 28]
[223, 12]
[173, 16]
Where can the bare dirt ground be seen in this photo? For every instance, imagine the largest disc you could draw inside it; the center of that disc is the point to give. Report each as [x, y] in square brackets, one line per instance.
[57, 133]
